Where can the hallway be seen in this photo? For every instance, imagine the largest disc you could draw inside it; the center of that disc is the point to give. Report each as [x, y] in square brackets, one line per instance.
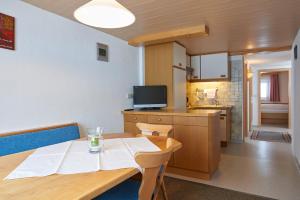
[261, 168]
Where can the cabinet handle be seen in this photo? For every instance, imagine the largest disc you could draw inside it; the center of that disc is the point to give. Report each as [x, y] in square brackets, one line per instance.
[159, 119]
[221, 118]
[135, 118]
[223, 76]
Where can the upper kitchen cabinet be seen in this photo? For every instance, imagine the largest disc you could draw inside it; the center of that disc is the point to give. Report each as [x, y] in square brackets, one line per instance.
[211, 67]
[195, 64]
[214, 66]
[179, 56]
[188, 61]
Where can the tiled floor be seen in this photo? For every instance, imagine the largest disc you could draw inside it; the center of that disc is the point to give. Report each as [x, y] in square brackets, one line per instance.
[258, 167]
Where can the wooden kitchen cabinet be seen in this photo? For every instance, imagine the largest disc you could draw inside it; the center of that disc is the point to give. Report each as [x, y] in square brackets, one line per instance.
[130, 127]
[135, 118]
[195, 64]
[211, 67]
[188, 61]
[161, 63]
[214, 66]
[130, 121]
[179, 56]
[160, 119]
[224, 122]
[194, 154]
[198, 131]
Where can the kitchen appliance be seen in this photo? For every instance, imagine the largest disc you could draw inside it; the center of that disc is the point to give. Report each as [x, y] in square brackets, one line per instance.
[179, 88]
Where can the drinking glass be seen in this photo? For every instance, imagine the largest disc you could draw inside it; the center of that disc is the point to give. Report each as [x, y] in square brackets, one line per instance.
[95, 139]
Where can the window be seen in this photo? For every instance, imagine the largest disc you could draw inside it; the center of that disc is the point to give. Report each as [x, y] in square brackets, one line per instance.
[265, 88]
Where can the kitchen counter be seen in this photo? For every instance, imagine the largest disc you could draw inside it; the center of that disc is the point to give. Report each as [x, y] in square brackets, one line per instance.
[215, 107]
[177, 112]
[225, 120]
[197, 130]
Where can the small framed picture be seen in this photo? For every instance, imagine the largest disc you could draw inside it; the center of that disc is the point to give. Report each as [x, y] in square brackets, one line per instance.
[7, 32]
[102, 52]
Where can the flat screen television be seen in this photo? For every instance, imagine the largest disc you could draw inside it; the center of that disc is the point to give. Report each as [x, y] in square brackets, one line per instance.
[154, 96]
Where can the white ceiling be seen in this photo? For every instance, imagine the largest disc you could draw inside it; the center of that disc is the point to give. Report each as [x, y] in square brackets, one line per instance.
[280, 59]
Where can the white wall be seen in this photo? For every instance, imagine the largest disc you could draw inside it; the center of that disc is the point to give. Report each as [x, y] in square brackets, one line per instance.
[295, 105]
[284, 86]
[53, 77]
[255, 99]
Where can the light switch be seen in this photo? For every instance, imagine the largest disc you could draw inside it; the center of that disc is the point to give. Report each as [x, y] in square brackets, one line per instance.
[129, 96]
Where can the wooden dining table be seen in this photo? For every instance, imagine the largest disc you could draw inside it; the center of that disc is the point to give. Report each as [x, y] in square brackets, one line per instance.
[72, 186]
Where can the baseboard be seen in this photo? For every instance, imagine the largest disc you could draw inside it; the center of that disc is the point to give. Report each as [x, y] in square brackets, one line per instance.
[188, 173]
[185, 178]
[236, 141]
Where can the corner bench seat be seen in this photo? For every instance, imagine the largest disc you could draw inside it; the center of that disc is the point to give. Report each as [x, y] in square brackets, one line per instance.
[31, 139]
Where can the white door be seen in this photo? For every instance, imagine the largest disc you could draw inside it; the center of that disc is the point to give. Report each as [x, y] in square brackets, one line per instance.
[179, 87]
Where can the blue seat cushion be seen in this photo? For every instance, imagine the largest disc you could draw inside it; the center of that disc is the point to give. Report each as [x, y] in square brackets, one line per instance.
[127, 190]
[22, 142]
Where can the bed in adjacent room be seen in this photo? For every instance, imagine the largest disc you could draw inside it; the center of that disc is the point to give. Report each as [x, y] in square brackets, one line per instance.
[274, 113]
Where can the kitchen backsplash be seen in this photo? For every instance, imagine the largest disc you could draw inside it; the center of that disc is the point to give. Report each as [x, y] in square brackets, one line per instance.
[228, 93]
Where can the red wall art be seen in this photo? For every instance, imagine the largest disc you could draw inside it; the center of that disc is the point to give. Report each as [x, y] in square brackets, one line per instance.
[7, 32]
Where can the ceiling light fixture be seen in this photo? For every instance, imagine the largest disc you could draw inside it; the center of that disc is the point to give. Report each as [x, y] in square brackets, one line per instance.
[104, 14]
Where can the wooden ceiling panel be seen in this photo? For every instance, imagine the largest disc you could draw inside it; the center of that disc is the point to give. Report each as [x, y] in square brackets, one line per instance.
[234, 25]
[169, 36]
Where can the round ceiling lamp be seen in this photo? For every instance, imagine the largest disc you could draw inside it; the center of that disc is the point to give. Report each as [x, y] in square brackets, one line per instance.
[104, 14]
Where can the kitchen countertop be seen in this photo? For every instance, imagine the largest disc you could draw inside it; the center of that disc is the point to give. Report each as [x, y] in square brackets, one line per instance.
[180, 112]
[215, 107]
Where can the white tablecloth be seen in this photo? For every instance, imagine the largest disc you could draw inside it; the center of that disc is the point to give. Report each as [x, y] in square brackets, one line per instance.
[74, 157]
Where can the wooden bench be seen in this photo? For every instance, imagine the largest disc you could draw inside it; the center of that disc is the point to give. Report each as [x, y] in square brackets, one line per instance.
[19, 141]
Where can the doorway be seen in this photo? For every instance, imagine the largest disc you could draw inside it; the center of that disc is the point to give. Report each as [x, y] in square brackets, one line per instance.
[274, 98]
[268, 95]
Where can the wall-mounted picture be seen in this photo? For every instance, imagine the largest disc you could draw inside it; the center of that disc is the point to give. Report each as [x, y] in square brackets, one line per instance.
[102, 52]
[7, 32]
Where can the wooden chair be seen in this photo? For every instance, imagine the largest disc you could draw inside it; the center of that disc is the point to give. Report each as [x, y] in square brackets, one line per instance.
[155, 129]
[153, 166]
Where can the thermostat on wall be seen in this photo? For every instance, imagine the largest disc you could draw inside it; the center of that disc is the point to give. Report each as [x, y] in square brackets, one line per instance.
[102, 52]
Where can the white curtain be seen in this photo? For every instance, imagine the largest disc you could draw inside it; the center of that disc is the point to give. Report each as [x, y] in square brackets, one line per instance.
[265, 88]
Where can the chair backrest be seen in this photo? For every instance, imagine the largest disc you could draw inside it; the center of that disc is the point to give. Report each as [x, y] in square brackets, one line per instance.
[153, 166]
[152, 129]
[31, 139]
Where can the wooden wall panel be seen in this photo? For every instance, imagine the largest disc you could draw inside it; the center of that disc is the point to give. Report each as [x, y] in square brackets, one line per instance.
[159, 67]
